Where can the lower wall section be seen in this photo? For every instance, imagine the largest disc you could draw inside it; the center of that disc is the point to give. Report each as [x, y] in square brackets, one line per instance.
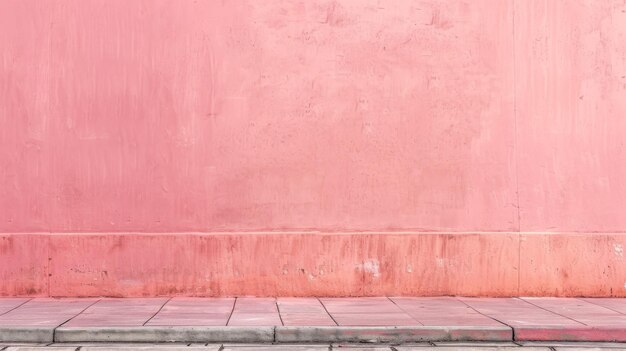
[312, 264]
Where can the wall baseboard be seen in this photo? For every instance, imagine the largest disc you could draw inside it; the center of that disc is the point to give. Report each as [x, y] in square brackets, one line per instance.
[313, 264]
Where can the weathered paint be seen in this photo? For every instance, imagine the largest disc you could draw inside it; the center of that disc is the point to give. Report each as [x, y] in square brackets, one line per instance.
[312, 264]
[568, 264]
[148, 119]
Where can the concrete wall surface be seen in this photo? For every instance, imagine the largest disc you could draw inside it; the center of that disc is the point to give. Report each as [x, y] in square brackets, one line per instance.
[353, 147]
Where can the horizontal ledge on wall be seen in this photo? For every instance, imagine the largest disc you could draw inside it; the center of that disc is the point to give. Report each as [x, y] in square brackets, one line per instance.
[321, 232]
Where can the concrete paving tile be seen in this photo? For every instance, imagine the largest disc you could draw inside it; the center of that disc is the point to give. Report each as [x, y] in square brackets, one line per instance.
[453, 319]
[131, 310]
[178, 314]
[192, 301]
[515, 312]
[307, 319]
[377, 301]
[615, 304]
[497, 304]
[106, 321]
[252, 344]
[35, 322]
[580, 310]
[111, 312]
[132, 301]
[442, 311]
[374, 319]
[189, 319]
[9, 303]
[121, 345]
[299, 305]
[603, 322]
[199, 305]
[266, 347]
[360, 305]
[161, 347]
[69, 305]
[254, 305]
[45, 312]
[428, 302]
[530, 321]
[254, 319]
[564, 304]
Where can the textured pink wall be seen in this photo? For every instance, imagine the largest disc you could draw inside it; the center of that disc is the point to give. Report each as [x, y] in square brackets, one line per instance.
[208, 116]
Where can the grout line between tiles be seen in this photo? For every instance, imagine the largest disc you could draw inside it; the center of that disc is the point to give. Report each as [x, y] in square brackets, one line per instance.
[325, 309]
[403, 310]
[595, 304]
[78, 314]
[279, 316]
[547, 310]
[157, 312]
[18, 306]
[54, 330]
[490, 317]
[231, 311]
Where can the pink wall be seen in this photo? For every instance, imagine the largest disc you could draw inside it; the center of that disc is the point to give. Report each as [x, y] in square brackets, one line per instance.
[359, 115]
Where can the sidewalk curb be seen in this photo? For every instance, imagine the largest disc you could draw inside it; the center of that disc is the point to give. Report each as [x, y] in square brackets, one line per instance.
[26, 334]
[391, 334]
[164, 334]
[278, 334]
[295, 334]
[597, 334]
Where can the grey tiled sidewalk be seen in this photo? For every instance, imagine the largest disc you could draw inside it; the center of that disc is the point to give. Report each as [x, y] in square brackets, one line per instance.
[313, 320]
[436, 346]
